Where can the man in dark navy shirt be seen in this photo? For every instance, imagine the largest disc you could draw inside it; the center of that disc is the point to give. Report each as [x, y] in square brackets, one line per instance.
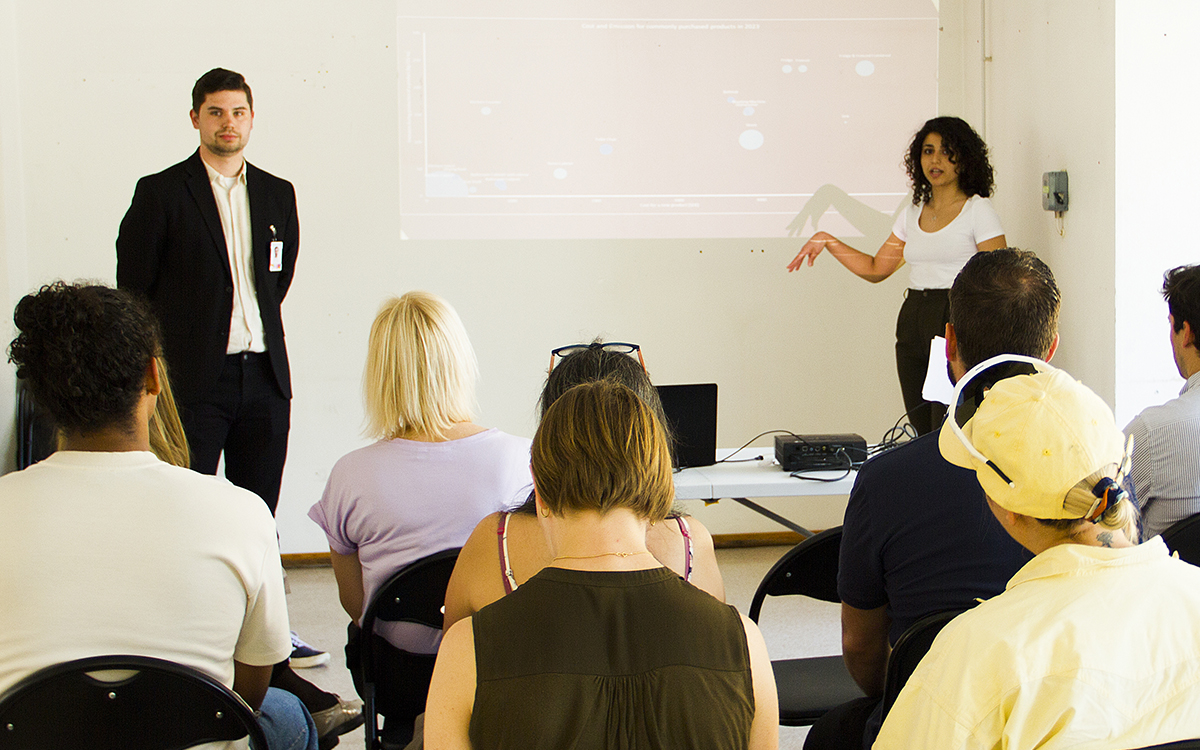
[918, 537]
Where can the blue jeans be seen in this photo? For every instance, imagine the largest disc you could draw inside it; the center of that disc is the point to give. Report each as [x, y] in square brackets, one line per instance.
[286, 722]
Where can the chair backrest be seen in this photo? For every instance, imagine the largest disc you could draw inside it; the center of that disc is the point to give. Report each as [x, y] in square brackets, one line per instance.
[912, 645]
[808, 569]
[1180, 745]
[396, 682]
[415, 593]
[36, 431]
[1184, 537]
[157, 705]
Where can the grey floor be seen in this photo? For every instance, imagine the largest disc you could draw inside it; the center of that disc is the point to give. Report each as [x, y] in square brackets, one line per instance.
[793, 627]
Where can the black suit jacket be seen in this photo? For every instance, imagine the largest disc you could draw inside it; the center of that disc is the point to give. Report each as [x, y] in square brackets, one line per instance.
[171, 249]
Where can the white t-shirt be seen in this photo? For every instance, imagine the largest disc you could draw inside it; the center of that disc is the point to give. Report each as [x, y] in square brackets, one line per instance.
[935, 258]
[120, 553]
[396, 501]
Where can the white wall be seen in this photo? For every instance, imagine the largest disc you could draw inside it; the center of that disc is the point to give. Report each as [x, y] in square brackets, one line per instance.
[1158, 158]
[92, 96]
[1050, 106]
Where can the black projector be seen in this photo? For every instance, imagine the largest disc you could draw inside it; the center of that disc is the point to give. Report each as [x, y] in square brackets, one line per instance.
[819, 452]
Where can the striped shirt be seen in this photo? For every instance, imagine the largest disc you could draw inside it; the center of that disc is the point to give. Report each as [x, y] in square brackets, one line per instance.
[1166, 459]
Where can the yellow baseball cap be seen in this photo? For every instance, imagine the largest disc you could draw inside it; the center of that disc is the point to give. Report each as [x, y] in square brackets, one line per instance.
[1033, 438]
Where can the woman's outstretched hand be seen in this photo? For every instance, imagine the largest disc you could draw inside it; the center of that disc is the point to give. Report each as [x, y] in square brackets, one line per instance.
[811, 250]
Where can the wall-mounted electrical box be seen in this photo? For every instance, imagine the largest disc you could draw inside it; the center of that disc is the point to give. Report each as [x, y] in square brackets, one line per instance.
[1054, 191]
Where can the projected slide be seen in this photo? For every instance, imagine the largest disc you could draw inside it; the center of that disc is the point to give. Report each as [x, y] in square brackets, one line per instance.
[607, 127]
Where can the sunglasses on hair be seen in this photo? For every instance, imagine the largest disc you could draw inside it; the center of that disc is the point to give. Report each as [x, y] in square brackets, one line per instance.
[617, 347]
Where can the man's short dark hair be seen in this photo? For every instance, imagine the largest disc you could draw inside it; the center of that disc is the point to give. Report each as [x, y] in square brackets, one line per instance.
[1004, 302]
[1181, 290]
[83, 350]
[219, 79]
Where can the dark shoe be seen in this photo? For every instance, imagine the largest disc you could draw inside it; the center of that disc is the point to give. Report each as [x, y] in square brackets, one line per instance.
[335, 721]
[304, 655]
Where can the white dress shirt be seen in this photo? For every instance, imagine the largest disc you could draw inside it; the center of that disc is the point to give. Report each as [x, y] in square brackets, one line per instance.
[233, 204]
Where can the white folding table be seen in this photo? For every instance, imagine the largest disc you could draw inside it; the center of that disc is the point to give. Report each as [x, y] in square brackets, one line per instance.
[743, 480]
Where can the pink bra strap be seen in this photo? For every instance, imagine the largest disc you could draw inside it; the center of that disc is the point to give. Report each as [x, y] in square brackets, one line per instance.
[687, 548]
[510, 581]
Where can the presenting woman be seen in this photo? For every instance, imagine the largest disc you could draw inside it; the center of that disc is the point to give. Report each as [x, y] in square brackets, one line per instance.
[605, 648]
[951, 217]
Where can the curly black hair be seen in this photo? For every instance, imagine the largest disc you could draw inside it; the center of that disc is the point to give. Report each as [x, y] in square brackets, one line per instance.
[84, 349]
[967, 151]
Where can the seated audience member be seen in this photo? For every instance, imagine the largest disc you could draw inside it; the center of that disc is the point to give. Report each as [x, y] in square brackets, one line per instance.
[604, 648]
[1166, 448]
[918, 537]
[331, 715]
[168, 441]
[431, 475]
[120, 552]
[1093, 644]
[508, 548]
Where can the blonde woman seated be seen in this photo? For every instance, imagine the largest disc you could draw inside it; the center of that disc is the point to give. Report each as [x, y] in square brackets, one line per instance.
[432, 474]
[508, 548]
[605, 648]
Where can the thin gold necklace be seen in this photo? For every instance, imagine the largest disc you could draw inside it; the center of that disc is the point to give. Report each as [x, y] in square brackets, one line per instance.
[602, 554]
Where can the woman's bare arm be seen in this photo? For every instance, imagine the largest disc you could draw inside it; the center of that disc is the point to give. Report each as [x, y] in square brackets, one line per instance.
[873, 268]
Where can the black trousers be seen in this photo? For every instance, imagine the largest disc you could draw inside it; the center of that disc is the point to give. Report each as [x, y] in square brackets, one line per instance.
[247, 418]
[844, 727]
[924, 315]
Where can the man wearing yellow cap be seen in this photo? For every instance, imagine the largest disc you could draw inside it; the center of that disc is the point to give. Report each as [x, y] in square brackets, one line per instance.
[1094, 642]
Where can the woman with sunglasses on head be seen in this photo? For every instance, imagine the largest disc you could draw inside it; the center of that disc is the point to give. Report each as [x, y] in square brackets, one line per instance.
[1094, 642]
[950, 219]
[508, 548]
[432, 474]
[605, 648]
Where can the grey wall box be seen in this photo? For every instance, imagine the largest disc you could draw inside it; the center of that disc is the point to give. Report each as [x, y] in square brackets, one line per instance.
[1054, 191]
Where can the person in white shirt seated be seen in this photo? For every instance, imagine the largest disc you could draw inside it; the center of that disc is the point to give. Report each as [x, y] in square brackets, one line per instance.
[1094, 642]
[108, 549]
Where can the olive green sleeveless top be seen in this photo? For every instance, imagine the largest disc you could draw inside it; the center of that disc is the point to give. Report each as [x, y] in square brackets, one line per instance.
[612, 661]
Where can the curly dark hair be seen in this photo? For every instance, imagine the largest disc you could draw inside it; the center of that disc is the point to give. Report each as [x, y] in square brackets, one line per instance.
[967, 151]
[83, 349]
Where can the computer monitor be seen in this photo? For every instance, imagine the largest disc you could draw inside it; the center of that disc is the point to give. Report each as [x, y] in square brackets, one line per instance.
[692, 417]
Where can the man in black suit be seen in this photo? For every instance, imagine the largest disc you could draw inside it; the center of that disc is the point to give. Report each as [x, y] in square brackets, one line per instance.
[211, 242]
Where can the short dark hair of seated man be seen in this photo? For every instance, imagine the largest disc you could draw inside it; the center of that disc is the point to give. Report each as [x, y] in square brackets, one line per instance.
[1093, 643]
[159, 560]
[605, 646]
[1166, 448]
[918, 537]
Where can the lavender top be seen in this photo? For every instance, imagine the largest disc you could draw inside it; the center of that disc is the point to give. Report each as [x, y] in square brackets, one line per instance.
[396, 501]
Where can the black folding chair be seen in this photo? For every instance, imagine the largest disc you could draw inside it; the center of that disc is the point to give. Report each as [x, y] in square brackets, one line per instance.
[153, 705]
[395, 682]
[910, 647]
[1180, 745]
[808, 688]
[37, 436]
[1183, 537]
